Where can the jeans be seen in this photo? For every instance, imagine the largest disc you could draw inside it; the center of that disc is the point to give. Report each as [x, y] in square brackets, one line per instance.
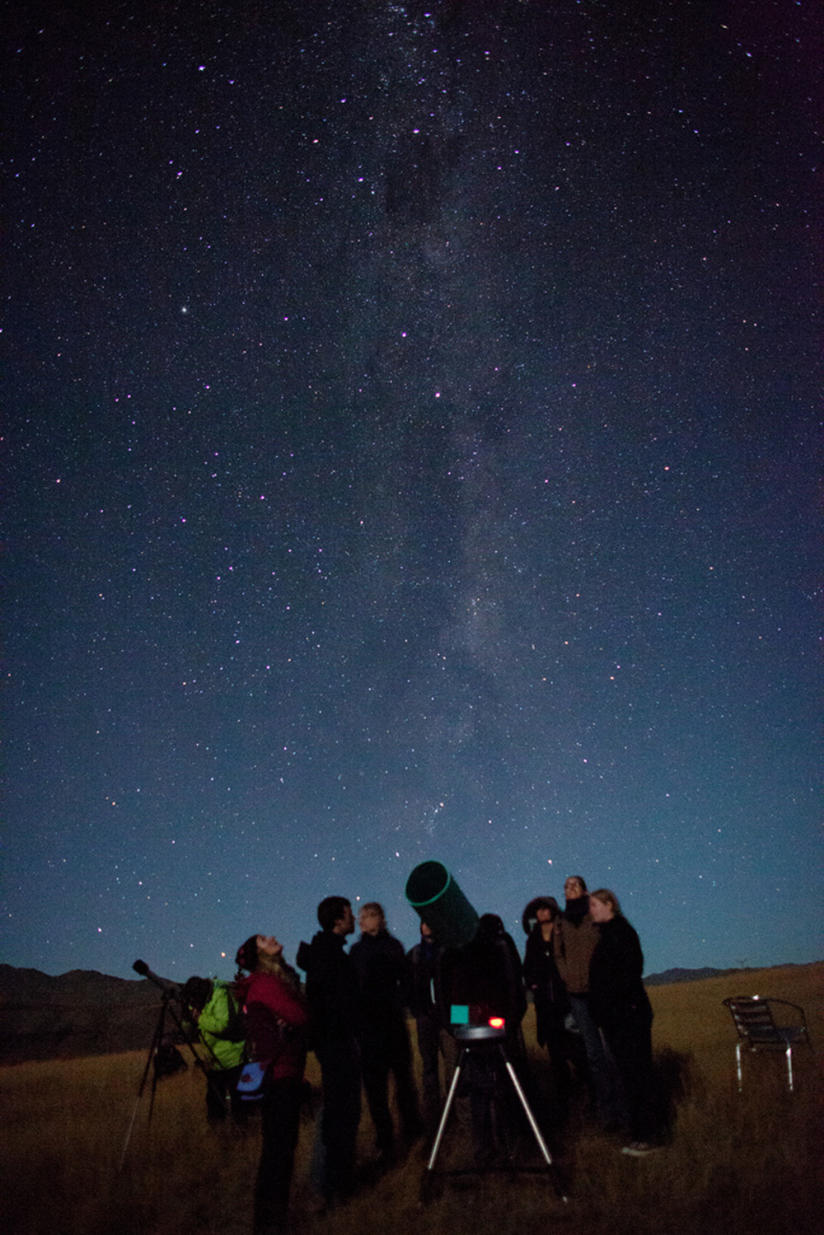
[605, 1083]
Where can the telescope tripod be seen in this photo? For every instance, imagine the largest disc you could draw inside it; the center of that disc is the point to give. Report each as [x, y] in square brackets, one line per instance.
[166, 1010]
[486, 1039]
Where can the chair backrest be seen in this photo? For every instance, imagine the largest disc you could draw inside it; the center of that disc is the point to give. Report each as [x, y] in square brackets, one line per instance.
[755, 1019]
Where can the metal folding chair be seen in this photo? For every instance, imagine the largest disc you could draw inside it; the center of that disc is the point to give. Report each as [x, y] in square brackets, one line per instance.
[766, 1024]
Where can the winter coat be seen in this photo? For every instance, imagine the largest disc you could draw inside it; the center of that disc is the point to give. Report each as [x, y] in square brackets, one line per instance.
[276, 1022]
[383, 981]
[574, 940]
[542, 978]
[332, 991]
[616, 988]
[220, 1028]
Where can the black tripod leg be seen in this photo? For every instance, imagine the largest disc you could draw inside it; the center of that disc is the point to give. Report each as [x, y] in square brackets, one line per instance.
[156, 1040]
[211, 1083]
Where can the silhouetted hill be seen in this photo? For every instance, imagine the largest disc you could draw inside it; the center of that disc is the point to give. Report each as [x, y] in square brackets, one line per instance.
[669, 976]
[686, 975]
[82, 1012]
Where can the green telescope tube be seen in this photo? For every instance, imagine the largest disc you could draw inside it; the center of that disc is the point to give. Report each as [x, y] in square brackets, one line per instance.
[440, 903]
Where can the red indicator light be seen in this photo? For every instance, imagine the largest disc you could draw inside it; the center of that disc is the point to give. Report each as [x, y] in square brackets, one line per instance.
[496, 1022]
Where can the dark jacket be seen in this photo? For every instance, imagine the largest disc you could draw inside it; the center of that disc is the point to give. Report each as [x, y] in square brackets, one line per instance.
[332, 991]
[542, 978]
[485, 974]
[383, 980]
[422, 961]
[616, 989]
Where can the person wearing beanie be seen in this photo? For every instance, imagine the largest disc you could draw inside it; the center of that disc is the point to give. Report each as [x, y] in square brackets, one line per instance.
[211, 1010]
[276, 1026]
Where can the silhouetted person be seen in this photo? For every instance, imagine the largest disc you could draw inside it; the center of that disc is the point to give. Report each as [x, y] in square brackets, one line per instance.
[332, 991]
[622, 1008]
[380, 963]
[549, 995]
[574, 938]
[486, 974]
[423, 960]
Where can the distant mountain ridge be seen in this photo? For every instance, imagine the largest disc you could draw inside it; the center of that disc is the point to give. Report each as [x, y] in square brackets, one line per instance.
[88, 984]
[84, 1012]
[668, 976]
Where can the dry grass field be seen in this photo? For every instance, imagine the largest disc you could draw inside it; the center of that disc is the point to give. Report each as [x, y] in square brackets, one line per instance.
[735, 1163]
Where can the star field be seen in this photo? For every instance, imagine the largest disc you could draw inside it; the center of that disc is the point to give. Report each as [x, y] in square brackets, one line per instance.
[410, 453]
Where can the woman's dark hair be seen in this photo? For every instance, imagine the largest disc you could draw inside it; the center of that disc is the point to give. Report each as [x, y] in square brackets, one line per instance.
[490, 926]
[529, 917]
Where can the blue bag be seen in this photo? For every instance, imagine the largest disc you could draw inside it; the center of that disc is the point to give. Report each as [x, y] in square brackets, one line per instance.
[252, 1083]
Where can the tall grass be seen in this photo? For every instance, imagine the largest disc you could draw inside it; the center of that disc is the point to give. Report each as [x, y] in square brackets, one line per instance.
[735, 1162]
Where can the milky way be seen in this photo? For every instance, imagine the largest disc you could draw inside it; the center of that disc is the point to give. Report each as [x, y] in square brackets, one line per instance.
[410, 454]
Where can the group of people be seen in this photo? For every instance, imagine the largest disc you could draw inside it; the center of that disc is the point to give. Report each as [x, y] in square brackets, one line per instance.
[351, 1013]
[582, 964]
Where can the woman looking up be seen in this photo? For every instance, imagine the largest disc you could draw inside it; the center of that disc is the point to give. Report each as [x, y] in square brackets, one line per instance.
[276, 1019]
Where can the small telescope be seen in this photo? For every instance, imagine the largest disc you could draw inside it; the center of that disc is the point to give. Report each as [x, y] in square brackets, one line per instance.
[169, 988]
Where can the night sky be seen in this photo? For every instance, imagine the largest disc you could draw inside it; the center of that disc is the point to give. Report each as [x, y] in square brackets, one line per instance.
[410, 452]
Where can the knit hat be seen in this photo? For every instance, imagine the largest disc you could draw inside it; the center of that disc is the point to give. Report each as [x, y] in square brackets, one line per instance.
[196, 993]
[247, 955]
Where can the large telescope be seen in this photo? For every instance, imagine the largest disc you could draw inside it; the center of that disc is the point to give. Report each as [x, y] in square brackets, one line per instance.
[477, 969]
[479, 995]
[440, 903]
